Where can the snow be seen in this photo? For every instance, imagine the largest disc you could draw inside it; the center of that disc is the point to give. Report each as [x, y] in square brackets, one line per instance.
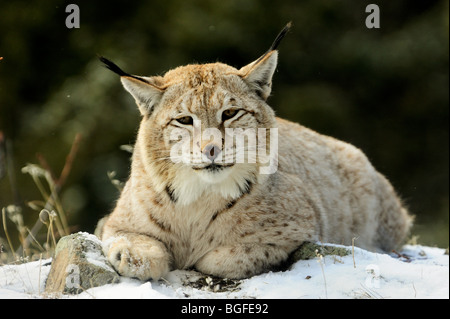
[419, 272]
[94, 256]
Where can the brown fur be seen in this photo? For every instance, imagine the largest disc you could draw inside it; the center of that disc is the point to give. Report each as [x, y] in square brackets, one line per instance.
[237, 222]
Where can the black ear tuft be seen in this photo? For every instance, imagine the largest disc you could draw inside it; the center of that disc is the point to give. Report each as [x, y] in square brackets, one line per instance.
[113, 67]
[280, 36]
[277, 41]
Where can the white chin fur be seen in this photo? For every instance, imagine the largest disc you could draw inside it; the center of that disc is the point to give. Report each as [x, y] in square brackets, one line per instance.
[188, 184]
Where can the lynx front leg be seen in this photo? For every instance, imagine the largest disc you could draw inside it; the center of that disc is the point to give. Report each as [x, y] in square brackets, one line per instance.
[135, 255]
[241, 261]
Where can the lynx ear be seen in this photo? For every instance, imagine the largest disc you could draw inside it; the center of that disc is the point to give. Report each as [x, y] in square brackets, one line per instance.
[259, 73]
[146, 94]
[147, 91]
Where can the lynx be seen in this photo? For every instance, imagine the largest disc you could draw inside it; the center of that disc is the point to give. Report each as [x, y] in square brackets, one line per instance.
[227, 218]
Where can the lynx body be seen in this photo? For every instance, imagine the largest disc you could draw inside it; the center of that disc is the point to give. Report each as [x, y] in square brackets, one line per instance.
[229, 219]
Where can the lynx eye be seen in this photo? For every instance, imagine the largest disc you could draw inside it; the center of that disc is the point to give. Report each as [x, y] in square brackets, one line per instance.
[228, 114]
[186, 120]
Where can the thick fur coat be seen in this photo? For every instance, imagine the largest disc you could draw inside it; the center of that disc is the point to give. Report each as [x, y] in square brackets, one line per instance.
[226, 218]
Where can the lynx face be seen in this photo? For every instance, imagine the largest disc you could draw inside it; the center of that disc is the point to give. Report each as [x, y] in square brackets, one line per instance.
[206, 128]
[192, 134]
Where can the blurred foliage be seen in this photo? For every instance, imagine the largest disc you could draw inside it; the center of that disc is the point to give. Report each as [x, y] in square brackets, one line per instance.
[384, 90]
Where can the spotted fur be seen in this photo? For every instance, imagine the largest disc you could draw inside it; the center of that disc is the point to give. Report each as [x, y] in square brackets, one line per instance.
[233, 221]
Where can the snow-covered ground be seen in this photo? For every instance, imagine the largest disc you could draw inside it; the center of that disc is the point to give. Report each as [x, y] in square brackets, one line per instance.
[424, 273]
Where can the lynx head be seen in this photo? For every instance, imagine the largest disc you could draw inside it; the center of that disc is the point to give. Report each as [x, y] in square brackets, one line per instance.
[206, 127]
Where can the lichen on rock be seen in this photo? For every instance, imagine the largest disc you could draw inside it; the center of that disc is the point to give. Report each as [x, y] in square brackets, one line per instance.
[311, 250]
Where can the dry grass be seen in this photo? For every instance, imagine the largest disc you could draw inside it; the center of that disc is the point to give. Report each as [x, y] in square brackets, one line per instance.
[48, 210]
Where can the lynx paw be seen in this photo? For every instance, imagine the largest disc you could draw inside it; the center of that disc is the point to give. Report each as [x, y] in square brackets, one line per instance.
[140, 259]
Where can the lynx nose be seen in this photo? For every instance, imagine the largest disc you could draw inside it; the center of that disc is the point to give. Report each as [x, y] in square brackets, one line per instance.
[211, 151]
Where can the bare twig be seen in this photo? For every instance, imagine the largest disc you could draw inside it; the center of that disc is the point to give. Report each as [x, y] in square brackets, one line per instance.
[8, 162]
[371, 293]
[6, 232]
[39, 278]
[399, 255]
[353, 251]
[35, 240]
[320, 261]
[45, 165]
[69, 162]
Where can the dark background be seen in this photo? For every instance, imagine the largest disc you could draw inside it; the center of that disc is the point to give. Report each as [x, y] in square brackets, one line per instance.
[384, 90]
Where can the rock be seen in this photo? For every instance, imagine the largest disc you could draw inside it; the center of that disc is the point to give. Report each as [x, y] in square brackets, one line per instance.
[79, 264]
[310, 250]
